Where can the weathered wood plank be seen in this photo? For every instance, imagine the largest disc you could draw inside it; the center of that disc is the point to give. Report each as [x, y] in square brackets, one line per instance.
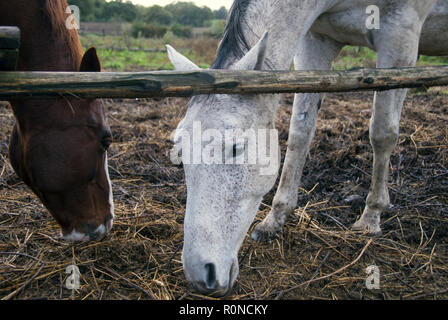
[9, 38]
[171, 83]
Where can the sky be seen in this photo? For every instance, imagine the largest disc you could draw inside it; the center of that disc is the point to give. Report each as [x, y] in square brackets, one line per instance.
[212, 4]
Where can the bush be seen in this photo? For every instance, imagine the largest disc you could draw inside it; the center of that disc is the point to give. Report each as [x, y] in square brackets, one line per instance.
[216, 28]
[182, 31]
[141, 29]
[168, 37]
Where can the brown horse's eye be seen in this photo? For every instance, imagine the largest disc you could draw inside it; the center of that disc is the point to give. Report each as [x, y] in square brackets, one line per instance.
[106, 140]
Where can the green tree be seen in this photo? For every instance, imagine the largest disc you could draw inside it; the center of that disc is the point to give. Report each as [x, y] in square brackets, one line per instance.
[90, 9]
[188, 14]
[158, 15]
[221, 13]
[119, 10]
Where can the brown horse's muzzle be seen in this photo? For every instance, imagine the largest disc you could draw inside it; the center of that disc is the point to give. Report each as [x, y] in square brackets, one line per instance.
[89, 232]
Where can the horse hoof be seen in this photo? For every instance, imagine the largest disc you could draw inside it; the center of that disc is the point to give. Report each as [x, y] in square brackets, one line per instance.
[368, 230]
[263, 234]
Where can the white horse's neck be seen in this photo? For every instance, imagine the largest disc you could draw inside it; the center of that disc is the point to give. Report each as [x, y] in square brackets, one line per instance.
[286, 21]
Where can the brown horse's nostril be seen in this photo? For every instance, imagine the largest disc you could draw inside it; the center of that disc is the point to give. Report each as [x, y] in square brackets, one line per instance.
[210, 281]
[91, 232]
[96, 233]
[106, 139]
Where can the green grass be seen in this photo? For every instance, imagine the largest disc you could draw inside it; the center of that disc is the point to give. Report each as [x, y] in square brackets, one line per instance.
[113, 60]
[433, 61]
[130, 60]
[116, 60]
[354, 57]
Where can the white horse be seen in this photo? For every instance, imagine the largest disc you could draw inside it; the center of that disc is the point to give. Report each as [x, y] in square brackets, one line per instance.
[222, 200]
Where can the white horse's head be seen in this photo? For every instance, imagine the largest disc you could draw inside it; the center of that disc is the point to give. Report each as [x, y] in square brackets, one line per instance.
[229, 149]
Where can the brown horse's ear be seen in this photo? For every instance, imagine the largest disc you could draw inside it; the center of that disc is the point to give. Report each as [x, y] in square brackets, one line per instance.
[90, 61]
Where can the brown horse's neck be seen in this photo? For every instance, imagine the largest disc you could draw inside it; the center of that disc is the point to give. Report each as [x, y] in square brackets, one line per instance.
[46, 43]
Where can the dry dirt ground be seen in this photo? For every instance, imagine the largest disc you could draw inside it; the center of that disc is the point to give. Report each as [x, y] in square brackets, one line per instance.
[316, 257]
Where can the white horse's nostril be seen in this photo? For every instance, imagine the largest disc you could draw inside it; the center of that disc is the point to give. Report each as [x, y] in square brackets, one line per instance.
[210, 280]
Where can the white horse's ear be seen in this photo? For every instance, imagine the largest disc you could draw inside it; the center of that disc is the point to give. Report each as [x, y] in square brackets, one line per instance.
[253, 60]
[180, 62]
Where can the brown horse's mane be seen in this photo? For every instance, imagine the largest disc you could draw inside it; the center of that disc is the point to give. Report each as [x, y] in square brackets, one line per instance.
[55, 11]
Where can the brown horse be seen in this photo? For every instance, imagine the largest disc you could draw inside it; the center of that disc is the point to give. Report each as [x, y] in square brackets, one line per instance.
[58, 147]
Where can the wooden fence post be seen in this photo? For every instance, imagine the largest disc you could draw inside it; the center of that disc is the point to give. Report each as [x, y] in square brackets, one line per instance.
[9, 48]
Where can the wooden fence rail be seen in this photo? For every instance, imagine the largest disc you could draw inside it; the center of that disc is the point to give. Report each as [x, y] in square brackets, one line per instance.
[171, 83]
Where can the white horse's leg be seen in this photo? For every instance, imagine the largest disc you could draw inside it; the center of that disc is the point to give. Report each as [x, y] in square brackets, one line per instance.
[397, 47]
[314, 53]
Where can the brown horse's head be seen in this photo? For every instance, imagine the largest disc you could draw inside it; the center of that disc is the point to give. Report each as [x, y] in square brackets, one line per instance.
[58, 148]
